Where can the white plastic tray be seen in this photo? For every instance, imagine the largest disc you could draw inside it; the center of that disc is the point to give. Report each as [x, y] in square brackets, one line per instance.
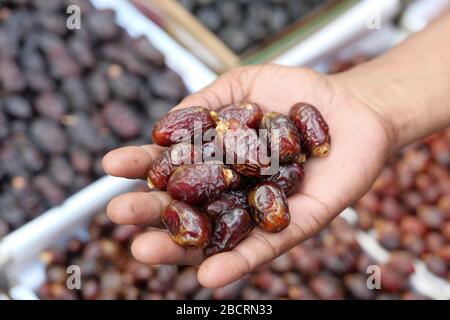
[345, 29]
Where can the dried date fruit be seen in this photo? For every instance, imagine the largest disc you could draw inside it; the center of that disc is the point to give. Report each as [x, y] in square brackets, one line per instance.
[337, 259]
[392, 209]
[388, 234]
[17, 107]
[434, 241]
[167, 84]
[48, 135]
[411, 224]
[392, 281]
[30, 155]
[357, 285]
[76, 93]
[306, 262]
[288, 177]
[436, 265]
[269, 207]
[282, 135]
[50, 105]
[123, 85]
[444, 253]
[178, 125]
[147, 51]
[61, 171]
[187, 225]
[229, 229]
[101, 23]
[401, 262]
[412, 243]
[122, 119]
[168, 161]
[313, 129]
[11, 77]
[201, 183]
[49, 190]
[246, 113]
[80, 159]
[326, 287]
[85, 133]
[227, 202]
[242, 148]
[432, 216]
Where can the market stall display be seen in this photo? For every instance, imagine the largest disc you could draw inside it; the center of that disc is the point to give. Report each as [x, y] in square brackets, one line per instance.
[409, 204]
[242, 25]
[224, 34]
[328, 266]
[65, 99]
[68, 97]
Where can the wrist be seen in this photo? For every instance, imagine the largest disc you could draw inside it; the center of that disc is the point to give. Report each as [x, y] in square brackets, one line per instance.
[366, 92]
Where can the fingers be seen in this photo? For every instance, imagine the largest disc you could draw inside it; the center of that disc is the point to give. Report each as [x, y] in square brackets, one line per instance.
[232, 86]
[130, 162]
[156, 247]
[257, 249]
[137, 207]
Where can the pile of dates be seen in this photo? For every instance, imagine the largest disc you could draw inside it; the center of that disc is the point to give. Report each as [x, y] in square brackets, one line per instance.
[331, 265]
[409, 204]
[242, 24]
[68, 96]
[232, 168]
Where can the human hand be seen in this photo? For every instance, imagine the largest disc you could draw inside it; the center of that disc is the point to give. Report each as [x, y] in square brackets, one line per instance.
[361, 143]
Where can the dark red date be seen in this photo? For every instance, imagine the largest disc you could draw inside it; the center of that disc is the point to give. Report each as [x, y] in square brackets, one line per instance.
[269, 207]
[229, 229]
[313, 129]
[288, 177]
[168, 161]
[225, 203]
[179, 125]
[282, 135]
[246, 113]
[187, 225]
[242, 148]
[200, 183]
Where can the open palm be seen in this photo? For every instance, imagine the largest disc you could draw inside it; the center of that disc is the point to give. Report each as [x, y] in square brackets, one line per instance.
[360, 146]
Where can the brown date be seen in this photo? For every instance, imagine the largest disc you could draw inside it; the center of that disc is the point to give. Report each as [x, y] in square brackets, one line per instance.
[187, 225]
[288, 177]
[313, 129]
[200, 183]
[227, 202]
[282, 135]
[168, 161]
[269, 206]
[177, 125]
[229, 229]
[241, 147]
[245, 113]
